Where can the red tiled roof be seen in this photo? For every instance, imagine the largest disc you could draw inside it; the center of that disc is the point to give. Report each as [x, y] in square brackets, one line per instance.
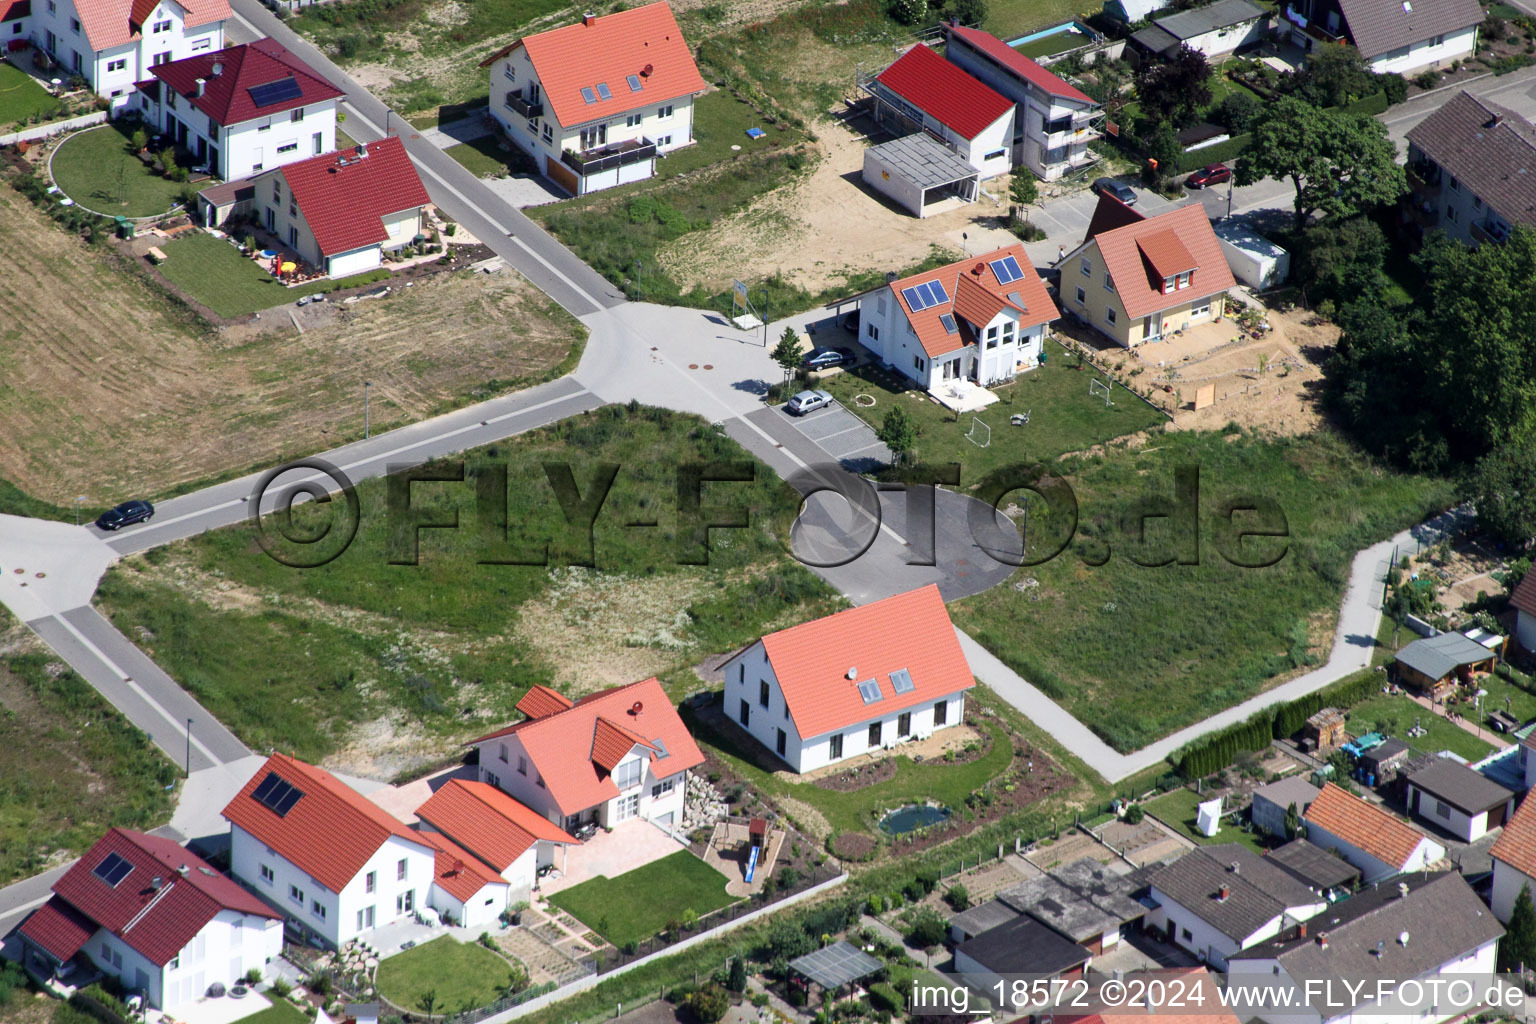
[1139, 284]
[345, 196]
[645, 42]
[910, 631]
[157, 922]
[109, 23]
[58, 928]
[331, 831]
[1037, 307]
[1524, 596]
[1361, 823]
[227, 95]
[1166, 253]
[945, 92]
[483, 819]
[1005, 55]
[1517, 845]
[541, 700]
[611, 743]
[560, 745]
[459, 872]
[1111, 213]
[10, 10]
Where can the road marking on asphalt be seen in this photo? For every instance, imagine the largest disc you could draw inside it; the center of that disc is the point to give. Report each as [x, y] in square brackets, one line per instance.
[101, 655]
[235, 502]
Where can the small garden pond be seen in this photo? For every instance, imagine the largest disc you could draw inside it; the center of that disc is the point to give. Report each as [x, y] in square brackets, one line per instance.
[912, 817]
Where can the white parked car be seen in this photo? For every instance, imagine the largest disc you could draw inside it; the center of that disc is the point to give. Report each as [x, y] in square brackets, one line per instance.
[808, 401]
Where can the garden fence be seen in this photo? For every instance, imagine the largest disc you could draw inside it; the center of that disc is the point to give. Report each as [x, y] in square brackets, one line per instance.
[491, 1009]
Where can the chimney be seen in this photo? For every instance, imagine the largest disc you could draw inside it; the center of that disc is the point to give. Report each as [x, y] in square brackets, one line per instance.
[218, 68]
[589, 19]
[202, 83]
[1402, 890]
[646, 71]
[1322, 940]
[362, 150]
[182, 870]
[1223, 893]
[1494, 121]
[1236, 867]
[890, 275]
[1301, 929]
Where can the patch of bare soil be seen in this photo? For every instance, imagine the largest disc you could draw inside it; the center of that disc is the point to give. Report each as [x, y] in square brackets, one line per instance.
[107, 390]
[823, 227]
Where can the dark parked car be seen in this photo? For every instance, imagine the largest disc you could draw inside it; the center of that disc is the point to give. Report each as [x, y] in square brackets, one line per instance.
[824, 358]
[808, 401]
[126, 514]
[1210, 174]
[851, 321]
[1119, 189]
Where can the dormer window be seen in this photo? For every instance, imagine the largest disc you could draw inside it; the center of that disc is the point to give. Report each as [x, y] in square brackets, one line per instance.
[1184, 280]
[163, 26]
[1176, 283]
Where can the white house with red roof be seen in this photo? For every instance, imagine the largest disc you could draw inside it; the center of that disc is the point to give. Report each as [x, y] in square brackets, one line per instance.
[112, 44]
[1053, 119]
[924, 92]
[1514, 857]
[464, 890]
[621, 754]
[509, 837]
[1366, 836]
[332, 861]
[595, 103]
[341, 211]
[983, 319]
[1136, 278]
[244, 108]
[153, 915]
[861, 680]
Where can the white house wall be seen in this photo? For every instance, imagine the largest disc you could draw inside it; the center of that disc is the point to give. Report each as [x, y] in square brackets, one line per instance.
[525, 789]
[1221, 41]
[335, 916]
[482, 910]
[1470, 827]
[1507, 883]
[73, 50]
[1452, 46]
[249, 147]
[1191, 932]
[226, 947]
[883, 329]
[1372, 869]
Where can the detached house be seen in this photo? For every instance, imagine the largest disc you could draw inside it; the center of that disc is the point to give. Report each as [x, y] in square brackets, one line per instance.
[1215, 30]
[112, 44]
[983, 319]
[596, 102]
[1376, 842]
[154, 916]
[513, 839]
[1514, 860]
[1470, 165]
[924, 92]
[1053, 120]
[1401, 36]
[332, 861]
[341, 211]
[861, 680]
[243, 109]
[1523, 598]
[1136, 278]
[617, 755]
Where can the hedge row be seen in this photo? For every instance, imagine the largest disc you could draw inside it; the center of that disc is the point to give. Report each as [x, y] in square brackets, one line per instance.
[1216, 751]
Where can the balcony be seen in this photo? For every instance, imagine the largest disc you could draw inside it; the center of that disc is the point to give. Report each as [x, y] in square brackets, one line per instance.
[1311, 28]
[519, 104]
[605, 158]
[1488, 232]
[1424, 178]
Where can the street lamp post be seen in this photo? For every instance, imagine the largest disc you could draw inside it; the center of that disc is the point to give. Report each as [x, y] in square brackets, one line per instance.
[367, 417]
[79, 503]
[188, 767]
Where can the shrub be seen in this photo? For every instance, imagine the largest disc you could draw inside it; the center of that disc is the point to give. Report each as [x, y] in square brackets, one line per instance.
[875, 906]
[927, 929]
[736, 979]
[958, 897]
[280, 988]
[709, 1003]
[486, 941]
[253, 976]
[909, 12]
[884, 997]
[1394, 87]
[928, 877]
[1134, 814]
[1238, 110]
[1426, 79]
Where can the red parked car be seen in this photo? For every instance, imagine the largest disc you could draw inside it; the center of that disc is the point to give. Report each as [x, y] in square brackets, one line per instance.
[1211, 174]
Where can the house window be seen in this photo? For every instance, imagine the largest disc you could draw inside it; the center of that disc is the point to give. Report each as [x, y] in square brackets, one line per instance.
[1200, 311]
[400, 869]
[780, 742]
[1082, 297]
[1087, 267]
[1184, 934]
[1477, 202]
[266, 874]
[533, 126]
[297, 114]
[629, 774]
[162, 26]
[502, 752]
[665, 111]
[365, 918]
[175, 963]
[201, 44]
[1450, 214]
[904, 724]
[540, 780]
[106, 952]
[264, 127]
[996, 154]
[741, 677]
[835, 747]
[405, 902]
[632, 120]
[874, 734]
[74, 25]
[941, 712]
[1442, 809]
[1184, 280]
[917, 362]
[509, 72]
[493, 779]
[522, 765]
[370, 881]
[170, 99]
[1109, 314]
[595, 136]
[1437, 41]
[287, 147]
[762, 693]
[317, 908]
[661, 788]
[746, 713]
[296, 894]
[1168, 285]
[16, 29]
[53, 9]
[1455, 185]
[873, 332]
[664, 141]
[549, 133]
[293, 232]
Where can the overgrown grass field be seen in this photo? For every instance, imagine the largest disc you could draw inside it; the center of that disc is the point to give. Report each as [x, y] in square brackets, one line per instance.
[305, 656]
[1137, 651]
[640, 903]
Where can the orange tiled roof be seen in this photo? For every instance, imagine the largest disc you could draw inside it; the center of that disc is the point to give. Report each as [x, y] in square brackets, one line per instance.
[911, 631]
[494, 826]
[1517, 846]
[459, 872]
[1181, 236]
[561, 745]
[1032, 298]
[109, 23]
[1361, 823]
[541, 700]
[644, 42]
[611, 743]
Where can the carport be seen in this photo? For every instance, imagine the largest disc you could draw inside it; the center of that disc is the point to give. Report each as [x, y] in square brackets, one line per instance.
[917, 171]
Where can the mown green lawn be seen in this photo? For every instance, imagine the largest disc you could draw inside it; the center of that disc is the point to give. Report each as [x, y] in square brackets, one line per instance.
[1009, 19]
[462, 976]
[1395, 715]
[96, 170]
[1137, 651]
[214, 273]
[1063, 417]
[482, 157]
[643, 902]
[1179, 809]
[280, 1012]
[21, 96]
[1057, 42]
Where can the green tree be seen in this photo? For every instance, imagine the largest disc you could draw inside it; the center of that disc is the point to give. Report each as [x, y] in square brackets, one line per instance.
[787, 352]
[1172, 90]
[970, 13]
[1293, 825]
[927, 929]
[1163, 152]
[1518, 949]
[1503, 490]
[736, 980]
[709, 1003]
[909, 12]
[1238, 110]
[1331, 77]
[1377, 384]
[1340, 259]
[899, 432]
[1023, 189]
[1340, 164]
[427, 1003]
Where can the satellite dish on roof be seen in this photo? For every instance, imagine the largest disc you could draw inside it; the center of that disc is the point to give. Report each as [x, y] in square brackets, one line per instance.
[853, 672]
[636, 707]
[646, 71]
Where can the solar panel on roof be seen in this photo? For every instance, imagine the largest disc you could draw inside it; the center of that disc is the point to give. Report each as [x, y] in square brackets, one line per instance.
[937, 293]
[280, 91]
[604, 91]
[917, 298]
[1006, 269]
[634, 83]
[277, 793]
[901, 679]
[112, 869]
[588, 95]
[869, 689]
[267, 785]
[948, 320]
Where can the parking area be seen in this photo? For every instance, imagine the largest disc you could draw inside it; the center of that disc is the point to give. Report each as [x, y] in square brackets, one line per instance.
[844, 436]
